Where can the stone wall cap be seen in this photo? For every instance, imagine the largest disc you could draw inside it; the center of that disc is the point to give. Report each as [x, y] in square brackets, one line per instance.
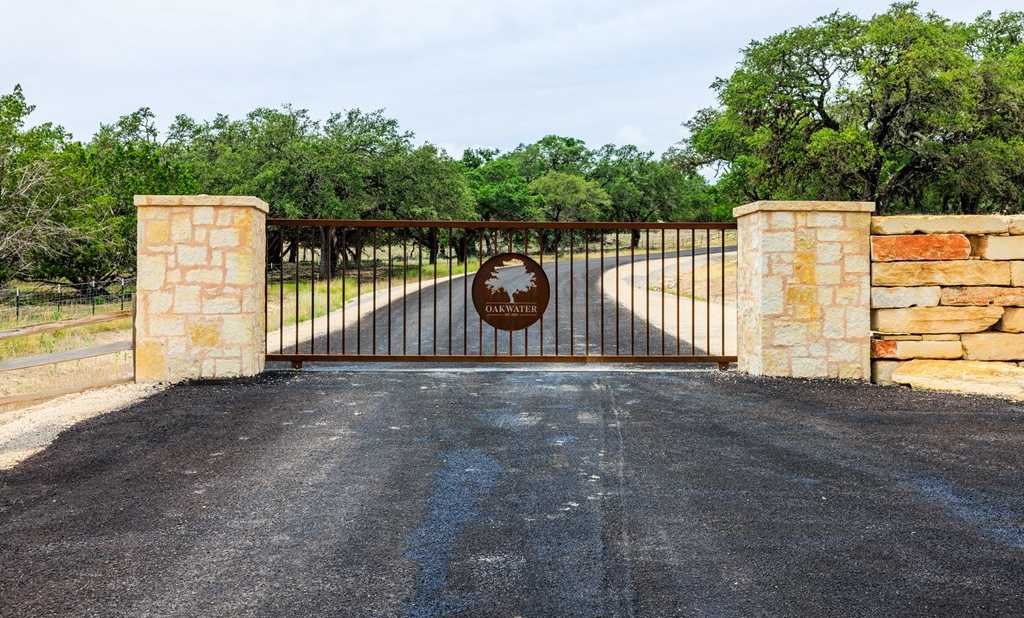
[947, 224]
[802, 206]
[202, 200]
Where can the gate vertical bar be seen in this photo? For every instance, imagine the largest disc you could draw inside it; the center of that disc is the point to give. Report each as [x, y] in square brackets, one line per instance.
[632, 295]
[617, 351]
[558, 240]
[663, 292]
[449, 251]
[647, 289]
[572, 300]
[510, 236]
[679, 293]
[526, 331]
[480, 260]
[465, 294]
[330, 273]
[540, 247]
[721, 255]
[280, 292]
[405, 294]
[419, 300]
[298, 256]
[373, 293]
[601, 278]
[344, 299]
[390, 242]
[312, 296]
[359, 296]
[693, 292]
[434, 238]
[707, 293]
[586, 294]
[497, 248]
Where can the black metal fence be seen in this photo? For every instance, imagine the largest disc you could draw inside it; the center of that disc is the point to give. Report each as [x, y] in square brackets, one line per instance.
[48, 302]
[340, 290]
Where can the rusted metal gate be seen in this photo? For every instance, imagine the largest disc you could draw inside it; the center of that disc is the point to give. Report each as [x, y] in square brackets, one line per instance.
[347, 290]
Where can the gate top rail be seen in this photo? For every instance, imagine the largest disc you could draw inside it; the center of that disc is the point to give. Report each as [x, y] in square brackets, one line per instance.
[505, 225]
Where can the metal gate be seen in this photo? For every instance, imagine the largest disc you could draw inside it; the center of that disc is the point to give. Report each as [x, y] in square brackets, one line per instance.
[348, 290]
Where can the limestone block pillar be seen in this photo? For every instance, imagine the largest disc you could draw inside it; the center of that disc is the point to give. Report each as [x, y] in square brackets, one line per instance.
[200, 287]
[804, 289]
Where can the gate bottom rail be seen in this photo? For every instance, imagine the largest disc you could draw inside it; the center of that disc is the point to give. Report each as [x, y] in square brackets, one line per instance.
[298, 359]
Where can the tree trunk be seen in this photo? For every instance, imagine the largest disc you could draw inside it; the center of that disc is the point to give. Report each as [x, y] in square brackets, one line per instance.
[275, 250]
[293, 252]
[634, 239]
[327, 255]
[433, 244]
[462, 246]
[550, 240]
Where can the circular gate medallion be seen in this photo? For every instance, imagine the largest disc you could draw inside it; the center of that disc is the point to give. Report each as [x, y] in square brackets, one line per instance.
[510, 291]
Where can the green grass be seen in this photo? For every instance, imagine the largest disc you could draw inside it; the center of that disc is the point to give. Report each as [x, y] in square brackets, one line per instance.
[29, 315]
[71, 338]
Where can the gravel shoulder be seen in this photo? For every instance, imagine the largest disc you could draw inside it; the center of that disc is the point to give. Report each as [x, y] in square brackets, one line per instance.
[27, 431]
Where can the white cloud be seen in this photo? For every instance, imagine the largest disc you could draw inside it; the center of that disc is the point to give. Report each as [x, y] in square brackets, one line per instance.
[629, 134]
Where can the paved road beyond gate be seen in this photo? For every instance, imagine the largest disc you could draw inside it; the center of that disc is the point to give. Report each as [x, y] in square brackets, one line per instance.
[342, 290]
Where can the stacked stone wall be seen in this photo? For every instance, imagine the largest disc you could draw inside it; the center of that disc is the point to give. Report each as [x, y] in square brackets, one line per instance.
[947, 302]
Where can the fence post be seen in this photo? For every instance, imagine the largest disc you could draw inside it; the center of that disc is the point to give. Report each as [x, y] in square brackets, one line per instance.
[200, 287]
[60, 296]
[92, 296]
[803, 289]
[17, 304]
[122, 293]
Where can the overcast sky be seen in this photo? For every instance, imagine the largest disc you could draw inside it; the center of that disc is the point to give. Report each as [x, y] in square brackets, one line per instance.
[459, 73]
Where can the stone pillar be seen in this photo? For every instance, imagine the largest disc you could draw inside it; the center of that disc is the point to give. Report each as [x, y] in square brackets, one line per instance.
[803, 289]
[200, 288]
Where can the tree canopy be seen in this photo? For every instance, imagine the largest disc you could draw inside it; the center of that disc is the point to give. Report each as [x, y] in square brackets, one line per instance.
[906, 109]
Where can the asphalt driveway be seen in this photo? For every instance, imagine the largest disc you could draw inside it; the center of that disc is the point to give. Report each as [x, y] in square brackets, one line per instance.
[523, 493]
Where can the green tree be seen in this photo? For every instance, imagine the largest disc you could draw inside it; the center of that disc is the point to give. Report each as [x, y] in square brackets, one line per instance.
[35, 194]
[569, 197]
[353, 165]
[500, 192]
[552, 153]
[121, 160]
[906, 109]
[644, 188]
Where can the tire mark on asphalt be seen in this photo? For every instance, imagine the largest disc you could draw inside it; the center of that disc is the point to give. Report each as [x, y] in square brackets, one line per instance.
[466, 477]
[999, 523]
[619, 581]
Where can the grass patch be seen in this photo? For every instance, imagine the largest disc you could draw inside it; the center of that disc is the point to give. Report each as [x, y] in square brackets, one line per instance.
[29, 315]
[71, 338]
